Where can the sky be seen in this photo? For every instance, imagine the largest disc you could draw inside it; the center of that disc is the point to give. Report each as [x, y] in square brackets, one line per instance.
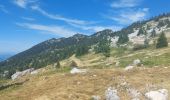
[25, 23]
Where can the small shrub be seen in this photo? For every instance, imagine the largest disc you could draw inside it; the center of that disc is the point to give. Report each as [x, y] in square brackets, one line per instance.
[73, 64]
[139, 47]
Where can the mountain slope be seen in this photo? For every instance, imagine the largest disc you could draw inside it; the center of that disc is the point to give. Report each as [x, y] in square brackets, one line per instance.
[53, 50]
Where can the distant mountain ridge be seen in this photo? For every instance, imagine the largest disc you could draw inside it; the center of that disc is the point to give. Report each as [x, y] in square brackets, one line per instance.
[50, 51]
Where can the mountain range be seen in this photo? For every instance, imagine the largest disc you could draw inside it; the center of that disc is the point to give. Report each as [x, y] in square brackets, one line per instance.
[53, 50]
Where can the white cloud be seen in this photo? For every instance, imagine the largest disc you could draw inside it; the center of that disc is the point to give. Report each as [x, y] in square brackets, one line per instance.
[3, 9]
[21, 3]
[95, 28]
[52, 29]
[125, 3]
[59, 17]
[129, 16]
[28, 18]
[24, 3]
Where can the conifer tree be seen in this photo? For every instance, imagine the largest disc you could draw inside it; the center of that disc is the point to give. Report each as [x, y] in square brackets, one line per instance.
[153, 33]
[123, 39]
[103, 47]
[58, 65]
[141, 32]
[162, 41]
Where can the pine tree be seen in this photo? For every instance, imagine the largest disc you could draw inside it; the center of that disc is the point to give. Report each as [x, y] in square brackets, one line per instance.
[162, 41]
[103, 47]
[146, 43]
[161, 24]
[153, 33]
[123, 38]
[141, 32]
[168, 23]
[81, 50]
[58, 65]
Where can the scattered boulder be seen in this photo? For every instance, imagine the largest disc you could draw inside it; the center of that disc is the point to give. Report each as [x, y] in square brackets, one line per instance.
[117, 63]
[35, 72]
[20, 74]
[96, 97]
[136, 62]
[76, 70]
[161, 94]
[16, 75]
[111, 94]
[129, 68]
[28, 71]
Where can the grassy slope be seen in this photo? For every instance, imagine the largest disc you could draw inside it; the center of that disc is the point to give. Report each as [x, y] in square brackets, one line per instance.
[59, 86]
[51, 84]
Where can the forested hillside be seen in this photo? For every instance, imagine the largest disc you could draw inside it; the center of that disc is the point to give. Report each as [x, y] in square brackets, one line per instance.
[54, 50]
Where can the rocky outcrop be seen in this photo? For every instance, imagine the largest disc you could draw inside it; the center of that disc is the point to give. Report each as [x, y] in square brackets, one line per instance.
[136, 62]
[111, 94]
[35, 72]
[20, 74]
[76, 70]
[161, 94]
[96, 97]
[128, 68]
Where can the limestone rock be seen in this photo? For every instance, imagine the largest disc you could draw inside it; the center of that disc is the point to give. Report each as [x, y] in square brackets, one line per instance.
[136, 62]
[76, 70]
[20, 74]
[161, 94]
[111, 94]
[96, 97]
[129, 68]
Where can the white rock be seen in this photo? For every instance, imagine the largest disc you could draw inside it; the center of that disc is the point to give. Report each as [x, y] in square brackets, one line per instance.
[94, 75]
[136, 62]
[75, 70]
[129, 68]
[34, 72]
[28, 71]
[111, 94]
[16, 75]
[161, 94]
[20, 74]
[117, 63]
[96, 97]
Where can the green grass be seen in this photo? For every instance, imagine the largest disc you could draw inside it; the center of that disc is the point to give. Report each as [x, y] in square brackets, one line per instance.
[162, 60]
[63, 70]
[3, 81]
[118, 51]
[53, 71]
[150, 61]
[10, 89]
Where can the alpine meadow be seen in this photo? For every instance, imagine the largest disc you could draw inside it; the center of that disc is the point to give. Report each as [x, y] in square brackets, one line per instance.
[84, 50]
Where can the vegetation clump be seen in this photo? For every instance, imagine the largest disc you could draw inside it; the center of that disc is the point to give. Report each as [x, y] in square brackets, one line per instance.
[103, 47]
[162, 41]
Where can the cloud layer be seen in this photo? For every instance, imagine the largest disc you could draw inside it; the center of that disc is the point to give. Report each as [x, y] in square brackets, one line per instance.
[125, 3]
[129, 16]
[51, 29]
[125, 14]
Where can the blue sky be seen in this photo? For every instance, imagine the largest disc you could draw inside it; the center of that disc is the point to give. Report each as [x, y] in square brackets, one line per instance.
[24, 23]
